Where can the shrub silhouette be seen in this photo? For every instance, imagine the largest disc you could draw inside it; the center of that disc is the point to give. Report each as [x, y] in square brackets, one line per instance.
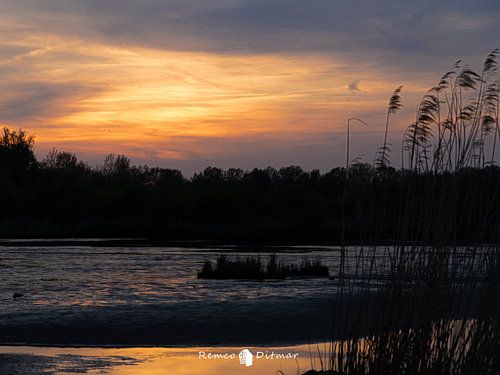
[253, 268]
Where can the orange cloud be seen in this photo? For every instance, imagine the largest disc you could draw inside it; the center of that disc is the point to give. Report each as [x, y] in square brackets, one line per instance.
[93, 97]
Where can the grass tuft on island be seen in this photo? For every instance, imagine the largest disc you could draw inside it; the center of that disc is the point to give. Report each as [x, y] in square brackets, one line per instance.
[253, 268]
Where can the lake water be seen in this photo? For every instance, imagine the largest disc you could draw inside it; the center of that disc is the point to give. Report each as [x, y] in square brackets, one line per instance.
[161, 361]
[84, 298]
[151, 295]
[140, 286]
[50, 277]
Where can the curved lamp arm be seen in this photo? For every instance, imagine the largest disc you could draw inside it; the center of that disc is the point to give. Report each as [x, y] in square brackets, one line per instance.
[348, 126]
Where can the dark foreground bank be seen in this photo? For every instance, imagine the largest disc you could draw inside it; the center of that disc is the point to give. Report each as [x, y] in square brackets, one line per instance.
[276, 321]
[28, 364]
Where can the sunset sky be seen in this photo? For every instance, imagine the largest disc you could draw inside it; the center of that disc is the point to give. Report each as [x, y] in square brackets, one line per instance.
[230, 83]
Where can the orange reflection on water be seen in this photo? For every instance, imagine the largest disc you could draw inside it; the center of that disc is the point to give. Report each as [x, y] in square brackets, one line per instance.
[186, 361]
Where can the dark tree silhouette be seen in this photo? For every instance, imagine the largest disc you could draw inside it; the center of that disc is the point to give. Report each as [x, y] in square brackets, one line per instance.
[16, 154]
[62, 196]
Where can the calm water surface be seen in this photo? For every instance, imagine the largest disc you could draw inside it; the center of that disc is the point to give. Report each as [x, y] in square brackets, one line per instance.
[162, 361]
[74, 276]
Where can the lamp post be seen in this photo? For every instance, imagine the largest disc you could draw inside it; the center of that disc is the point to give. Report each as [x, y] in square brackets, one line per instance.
[348, 130]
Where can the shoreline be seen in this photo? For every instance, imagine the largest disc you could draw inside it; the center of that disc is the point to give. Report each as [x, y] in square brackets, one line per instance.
[267, 322]
[269, 244]
[159, 346]
[277, 321]
[154, 360]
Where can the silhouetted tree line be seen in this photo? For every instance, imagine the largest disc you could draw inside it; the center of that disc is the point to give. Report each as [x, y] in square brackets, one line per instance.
[62, 196]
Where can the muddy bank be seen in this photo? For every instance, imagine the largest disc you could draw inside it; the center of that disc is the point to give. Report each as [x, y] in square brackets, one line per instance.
[266, 322]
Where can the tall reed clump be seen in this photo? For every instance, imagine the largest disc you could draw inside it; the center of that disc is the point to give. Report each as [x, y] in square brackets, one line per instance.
[432, 306]
[408, 310]
[435, 315]
[455, 121]
[429, 307]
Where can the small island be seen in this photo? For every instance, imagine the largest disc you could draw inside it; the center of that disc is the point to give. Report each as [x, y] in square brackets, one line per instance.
[253, 268]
